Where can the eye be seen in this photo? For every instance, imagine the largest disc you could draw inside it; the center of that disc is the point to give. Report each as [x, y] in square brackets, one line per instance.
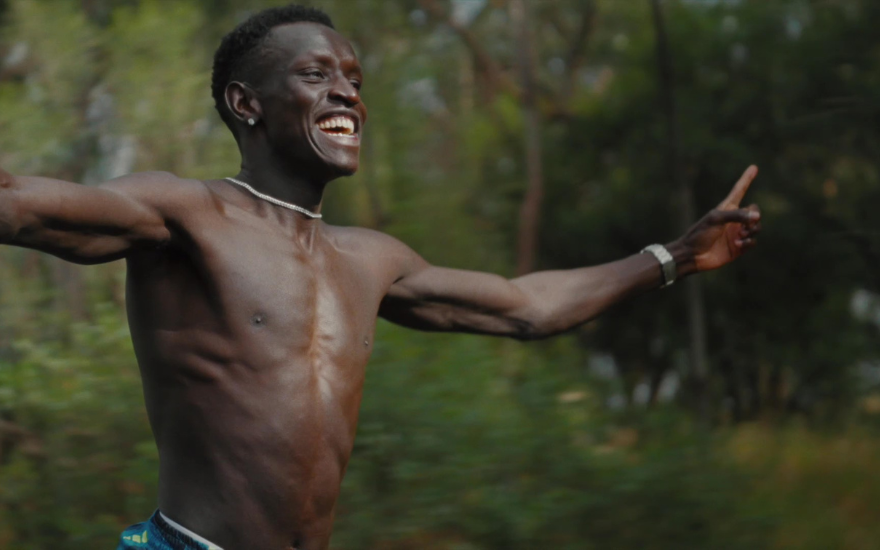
[312, 73]
[357, 84]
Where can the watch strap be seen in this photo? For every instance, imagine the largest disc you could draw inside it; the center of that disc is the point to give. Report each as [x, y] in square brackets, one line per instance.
[667, 263]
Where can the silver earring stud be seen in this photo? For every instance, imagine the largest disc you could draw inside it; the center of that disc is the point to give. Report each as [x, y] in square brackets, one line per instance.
[251, 121]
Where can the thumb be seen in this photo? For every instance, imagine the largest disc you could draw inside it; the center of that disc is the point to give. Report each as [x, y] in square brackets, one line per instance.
[739, 189]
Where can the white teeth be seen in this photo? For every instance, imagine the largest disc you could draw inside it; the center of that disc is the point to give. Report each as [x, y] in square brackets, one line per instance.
[339, 124]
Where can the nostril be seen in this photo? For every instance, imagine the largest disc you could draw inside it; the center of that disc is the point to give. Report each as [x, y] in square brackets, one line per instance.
[351, 97]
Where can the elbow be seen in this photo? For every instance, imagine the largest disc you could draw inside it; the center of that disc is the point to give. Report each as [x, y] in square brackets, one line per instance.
[530, 328]
[540, 324]
[533, 333]
[529, 335]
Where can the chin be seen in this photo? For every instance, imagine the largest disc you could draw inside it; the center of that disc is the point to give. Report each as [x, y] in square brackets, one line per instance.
[346, 173]
[349, 170]
[331, 171]
[339, 168]
[338, 152]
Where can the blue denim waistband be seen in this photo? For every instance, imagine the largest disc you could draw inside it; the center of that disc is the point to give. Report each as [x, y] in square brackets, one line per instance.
[157, 534]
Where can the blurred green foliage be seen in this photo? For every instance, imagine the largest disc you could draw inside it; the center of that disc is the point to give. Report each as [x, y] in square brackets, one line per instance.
[464, 442]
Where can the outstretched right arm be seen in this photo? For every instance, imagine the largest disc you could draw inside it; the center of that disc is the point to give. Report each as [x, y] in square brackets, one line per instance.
[85, 224]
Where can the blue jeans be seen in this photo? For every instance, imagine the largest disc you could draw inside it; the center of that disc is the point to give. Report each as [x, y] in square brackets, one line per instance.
[156, 534]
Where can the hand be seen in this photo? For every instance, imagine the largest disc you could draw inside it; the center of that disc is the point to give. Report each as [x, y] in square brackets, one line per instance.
[725, 233]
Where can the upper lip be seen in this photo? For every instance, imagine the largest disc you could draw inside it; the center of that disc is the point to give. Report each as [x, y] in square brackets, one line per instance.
[343, 112]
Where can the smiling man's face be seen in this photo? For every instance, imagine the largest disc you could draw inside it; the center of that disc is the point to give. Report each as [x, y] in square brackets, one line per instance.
[311, 106]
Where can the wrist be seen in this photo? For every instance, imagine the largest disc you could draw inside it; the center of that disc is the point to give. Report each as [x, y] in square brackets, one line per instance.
[685, 259]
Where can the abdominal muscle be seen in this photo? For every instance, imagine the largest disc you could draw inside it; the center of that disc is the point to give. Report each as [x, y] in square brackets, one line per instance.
[252, 458]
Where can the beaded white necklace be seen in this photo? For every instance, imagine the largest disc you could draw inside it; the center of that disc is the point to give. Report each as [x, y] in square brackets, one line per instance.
[275, 201]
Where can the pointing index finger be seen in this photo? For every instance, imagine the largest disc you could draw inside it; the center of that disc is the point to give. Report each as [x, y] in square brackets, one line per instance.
[739, 190]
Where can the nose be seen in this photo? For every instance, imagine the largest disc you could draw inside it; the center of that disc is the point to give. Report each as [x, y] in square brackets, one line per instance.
[344, 91]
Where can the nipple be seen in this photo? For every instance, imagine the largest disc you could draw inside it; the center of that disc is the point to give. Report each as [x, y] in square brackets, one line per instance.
[258, 320]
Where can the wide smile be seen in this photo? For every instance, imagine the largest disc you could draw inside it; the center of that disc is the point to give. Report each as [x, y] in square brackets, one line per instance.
[340, 128]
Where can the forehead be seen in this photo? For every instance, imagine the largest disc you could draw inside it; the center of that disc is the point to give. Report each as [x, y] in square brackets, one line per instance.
[306, 39]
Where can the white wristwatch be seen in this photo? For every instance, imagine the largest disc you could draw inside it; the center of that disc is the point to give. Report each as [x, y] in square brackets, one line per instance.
[667, 263]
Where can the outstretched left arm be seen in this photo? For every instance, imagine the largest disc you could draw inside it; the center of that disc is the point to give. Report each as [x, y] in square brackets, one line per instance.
[542, 304]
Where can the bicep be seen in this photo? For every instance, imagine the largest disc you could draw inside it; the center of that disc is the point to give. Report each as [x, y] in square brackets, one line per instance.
[442, 299]
[87, 224]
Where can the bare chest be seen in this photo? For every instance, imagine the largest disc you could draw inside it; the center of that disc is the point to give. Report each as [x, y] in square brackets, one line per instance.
[266, 294]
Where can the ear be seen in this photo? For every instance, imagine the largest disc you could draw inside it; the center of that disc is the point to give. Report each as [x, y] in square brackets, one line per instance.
[242, 102]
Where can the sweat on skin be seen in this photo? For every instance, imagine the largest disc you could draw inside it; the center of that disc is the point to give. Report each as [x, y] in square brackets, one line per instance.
[253, 324]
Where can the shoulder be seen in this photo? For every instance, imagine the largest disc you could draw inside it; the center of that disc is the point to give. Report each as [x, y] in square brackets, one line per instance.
[164, 180]
[377, 248]
[163, 191]
[156, 183]
[363, 240]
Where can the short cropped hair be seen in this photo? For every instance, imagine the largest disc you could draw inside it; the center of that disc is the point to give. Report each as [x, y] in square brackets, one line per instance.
[239, 54]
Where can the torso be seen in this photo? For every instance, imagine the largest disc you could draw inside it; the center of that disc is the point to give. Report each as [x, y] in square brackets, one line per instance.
[252, 333]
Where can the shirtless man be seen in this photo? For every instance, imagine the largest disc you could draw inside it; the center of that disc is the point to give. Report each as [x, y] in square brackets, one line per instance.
[253, 322]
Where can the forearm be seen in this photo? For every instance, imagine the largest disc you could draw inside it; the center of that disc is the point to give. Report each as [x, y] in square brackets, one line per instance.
[9, 212]
[30, 205]
[561, 300]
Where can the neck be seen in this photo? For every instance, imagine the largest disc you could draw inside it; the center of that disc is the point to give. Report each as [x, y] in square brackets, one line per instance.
[278, 181]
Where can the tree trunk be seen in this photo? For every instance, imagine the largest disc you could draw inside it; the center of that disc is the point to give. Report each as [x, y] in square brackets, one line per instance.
[696, 311]
[530, 210]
